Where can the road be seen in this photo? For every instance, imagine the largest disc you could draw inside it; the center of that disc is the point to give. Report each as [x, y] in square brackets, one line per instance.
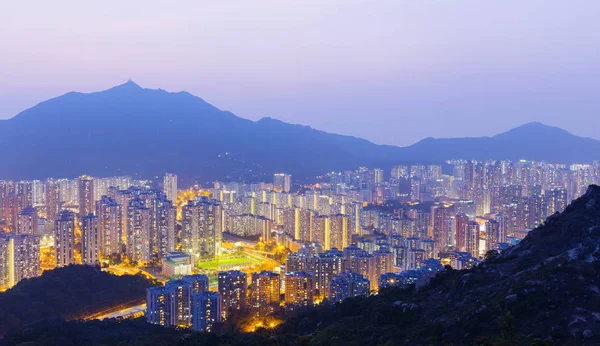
[134, 310]
[122, 312]
[118, 270]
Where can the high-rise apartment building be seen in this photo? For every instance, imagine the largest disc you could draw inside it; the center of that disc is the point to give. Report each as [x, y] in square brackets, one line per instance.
[86, 195]
[199, 282]
[348, 285]
[180, 298]
[24, 189]
[139, 223]
[282, 182]
[299, 289]
[206, 311]
[472, 239]
[233, 286]
[170, 187]
[361, 262]
[163, 228]
[495, 234]
[440, 232]
[158, 306]
[337, 237]
[325, 267]
[264, 292]
[110, 226]
[202, 228]
[19, 258]
[52, 199]
[64, 238]
[399, 172]
[173, 305]
[90, 240]
[28, 221]
[461, 231]
[123, 198]
[37, 193]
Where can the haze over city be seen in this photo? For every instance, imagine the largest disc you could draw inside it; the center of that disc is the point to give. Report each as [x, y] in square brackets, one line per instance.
[362, 68]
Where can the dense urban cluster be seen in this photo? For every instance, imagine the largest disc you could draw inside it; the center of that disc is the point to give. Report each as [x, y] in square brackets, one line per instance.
[349, 234]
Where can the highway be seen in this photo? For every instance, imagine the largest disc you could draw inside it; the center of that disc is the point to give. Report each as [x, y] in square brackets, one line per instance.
[136, 310]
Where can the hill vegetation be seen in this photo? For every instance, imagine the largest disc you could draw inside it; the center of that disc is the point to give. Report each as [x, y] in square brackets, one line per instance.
[69, 293]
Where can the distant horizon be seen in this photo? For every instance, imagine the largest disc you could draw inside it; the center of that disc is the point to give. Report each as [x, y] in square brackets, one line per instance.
[131, 80]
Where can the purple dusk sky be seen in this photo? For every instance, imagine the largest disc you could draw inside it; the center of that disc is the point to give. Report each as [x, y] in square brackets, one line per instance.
[391, 71]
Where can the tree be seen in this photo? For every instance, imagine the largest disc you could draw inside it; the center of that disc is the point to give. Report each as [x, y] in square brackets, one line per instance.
[491, 255]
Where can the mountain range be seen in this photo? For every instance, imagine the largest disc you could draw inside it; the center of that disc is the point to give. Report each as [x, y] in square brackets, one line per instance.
[129, 130]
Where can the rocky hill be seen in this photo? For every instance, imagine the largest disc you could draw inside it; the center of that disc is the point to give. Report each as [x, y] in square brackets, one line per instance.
[546, 288]
[69, 293]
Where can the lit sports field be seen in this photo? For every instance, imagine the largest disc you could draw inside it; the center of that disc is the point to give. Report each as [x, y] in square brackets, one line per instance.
[214, 264]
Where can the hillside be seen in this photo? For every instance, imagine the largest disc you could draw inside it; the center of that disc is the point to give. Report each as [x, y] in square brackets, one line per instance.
[129, 130]
[544, 288]
[544, 291]
[71, 292]
[143, 133]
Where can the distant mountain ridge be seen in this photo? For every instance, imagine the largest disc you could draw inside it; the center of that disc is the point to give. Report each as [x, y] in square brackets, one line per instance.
[129, 130]
[533, 141]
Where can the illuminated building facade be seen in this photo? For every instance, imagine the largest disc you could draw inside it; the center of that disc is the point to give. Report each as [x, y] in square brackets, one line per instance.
[139, 221]
[176, 264]
[299, 289]
[264, 292]
[158, 306]
[19, 258]
[90, 240]
[348, 285]
[110, 225]
[86, 195]
[180, 299]
[28, 221]
[472, 238]
[52, 199]
[282, 182]
[206, 311]
[170, 186]
[202, 228]
[233, 287]
[64, 238]
[199, 282]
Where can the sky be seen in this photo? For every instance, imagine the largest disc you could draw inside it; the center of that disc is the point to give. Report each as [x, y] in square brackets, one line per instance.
[393, 72]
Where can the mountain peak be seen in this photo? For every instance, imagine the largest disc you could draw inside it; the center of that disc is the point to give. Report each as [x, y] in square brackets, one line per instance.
[533, 129]
[129, 85]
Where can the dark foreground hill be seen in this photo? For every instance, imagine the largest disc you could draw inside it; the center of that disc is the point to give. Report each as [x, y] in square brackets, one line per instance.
[544, 291]
[71, 292]
[129, 130]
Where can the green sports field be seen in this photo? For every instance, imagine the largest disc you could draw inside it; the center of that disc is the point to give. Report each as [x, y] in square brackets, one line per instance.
[214, 264]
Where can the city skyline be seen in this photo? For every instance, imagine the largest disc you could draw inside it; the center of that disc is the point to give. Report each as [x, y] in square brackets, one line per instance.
[251, 255]
[453, 218]
[440, 63]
